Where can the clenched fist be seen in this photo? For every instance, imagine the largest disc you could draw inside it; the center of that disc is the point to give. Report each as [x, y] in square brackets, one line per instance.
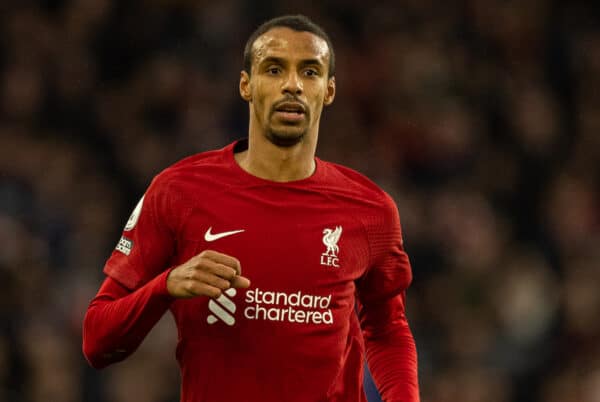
[206, 274]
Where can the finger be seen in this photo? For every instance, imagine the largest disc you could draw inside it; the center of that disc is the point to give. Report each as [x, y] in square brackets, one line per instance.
[223, 271]
[240, 282]
[211, 279]
[195, 288]
[224, 259]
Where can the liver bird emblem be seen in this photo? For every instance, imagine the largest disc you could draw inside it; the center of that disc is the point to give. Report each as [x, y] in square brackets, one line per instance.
[330, 240]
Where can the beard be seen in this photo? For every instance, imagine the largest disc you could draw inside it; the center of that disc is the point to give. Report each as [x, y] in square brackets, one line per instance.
[284, 140]
[289, 134]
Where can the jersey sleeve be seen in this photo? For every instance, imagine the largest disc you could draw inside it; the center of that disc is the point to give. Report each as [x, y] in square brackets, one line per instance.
[148, 239]
[118, 319]
[390, 347]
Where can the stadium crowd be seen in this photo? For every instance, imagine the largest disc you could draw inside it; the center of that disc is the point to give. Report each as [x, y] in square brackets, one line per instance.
[480, 117]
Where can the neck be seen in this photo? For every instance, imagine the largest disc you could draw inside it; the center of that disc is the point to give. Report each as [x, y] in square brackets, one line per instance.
[281, 164]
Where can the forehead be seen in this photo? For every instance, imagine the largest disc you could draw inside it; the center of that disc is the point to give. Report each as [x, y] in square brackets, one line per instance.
[289, 44]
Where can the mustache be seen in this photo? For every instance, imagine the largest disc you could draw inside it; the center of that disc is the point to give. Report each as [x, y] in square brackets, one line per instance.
[289, 99]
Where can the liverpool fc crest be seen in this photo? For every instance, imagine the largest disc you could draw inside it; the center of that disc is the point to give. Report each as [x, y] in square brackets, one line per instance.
[331, 237]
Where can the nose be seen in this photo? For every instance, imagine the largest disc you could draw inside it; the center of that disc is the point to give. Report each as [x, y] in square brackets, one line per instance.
[292, 84]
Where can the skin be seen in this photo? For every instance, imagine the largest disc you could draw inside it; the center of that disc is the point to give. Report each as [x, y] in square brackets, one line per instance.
[206, 274]
[287, 65]
[289, 68]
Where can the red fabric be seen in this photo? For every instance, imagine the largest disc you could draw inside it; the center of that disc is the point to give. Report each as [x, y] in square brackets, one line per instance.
[310, 247]
[118, 320]
[391, 352]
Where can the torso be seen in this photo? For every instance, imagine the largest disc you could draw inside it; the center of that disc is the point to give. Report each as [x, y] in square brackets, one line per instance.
[293, 335]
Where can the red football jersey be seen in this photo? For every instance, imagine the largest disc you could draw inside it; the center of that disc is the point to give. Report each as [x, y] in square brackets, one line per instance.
[314, 249]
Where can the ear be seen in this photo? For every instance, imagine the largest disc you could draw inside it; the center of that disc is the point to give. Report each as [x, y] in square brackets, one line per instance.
[330, 95]
[245, 92]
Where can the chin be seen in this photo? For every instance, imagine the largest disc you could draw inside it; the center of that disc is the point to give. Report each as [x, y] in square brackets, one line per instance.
[285, 139]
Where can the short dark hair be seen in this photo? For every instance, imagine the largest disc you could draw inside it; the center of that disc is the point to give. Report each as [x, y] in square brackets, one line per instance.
[299, 23]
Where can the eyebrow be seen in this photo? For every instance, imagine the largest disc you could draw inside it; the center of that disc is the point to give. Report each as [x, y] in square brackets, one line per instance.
[272, 59]
[309, 62]
[279, 60]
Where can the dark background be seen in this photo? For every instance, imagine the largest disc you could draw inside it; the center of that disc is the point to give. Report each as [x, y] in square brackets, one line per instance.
[481, 118]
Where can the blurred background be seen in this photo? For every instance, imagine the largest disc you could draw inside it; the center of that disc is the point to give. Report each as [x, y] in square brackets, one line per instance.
[480, 117]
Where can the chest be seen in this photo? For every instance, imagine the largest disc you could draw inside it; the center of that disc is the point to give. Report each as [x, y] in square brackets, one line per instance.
[301, 250]
[285, 240]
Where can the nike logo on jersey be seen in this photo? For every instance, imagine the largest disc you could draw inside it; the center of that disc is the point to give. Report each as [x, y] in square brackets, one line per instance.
[208, 236]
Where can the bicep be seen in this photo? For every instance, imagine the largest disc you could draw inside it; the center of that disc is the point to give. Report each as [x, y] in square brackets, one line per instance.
[147, 242]
[382, 289]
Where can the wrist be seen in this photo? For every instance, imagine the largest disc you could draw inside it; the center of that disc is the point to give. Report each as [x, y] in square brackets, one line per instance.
[162, 285]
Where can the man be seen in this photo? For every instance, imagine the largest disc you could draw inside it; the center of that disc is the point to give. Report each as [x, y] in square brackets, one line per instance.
[262, 251]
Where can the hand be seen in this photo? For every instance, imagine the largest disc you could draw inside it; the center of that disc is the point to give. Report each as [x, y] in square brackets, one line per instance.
[206, 274]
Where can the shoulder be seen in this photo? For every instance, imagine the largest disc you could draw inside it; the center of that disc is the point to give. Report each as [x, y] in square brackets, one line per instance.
[345, 180]
[371, 205]
[377, 210]
[175, 190]
[193, 168]
[195, 164]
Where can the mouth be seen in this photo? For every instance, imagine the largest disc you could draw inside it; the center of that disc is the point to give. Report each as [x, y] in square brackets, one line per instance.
[290, 111]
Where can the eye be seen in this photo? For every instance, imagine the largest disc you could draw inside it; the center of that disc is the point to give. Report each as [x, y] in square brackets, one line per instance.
[273, 70]
[311, 72]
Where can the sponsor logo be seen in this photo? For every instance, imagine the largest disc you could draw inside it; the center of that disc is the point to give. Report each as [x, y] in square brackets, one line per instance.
[208, 236]
[295, 307]
[331, 237]
[222, 308]
[125, 245]
[135, 215]
[261, 305]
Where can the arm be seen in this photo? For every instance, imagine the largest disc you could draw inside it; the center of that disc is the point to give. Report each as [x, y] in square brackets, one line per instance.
[391, 352]
[138, 290]
[390, 347]
[133, 297]
[117, 319]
